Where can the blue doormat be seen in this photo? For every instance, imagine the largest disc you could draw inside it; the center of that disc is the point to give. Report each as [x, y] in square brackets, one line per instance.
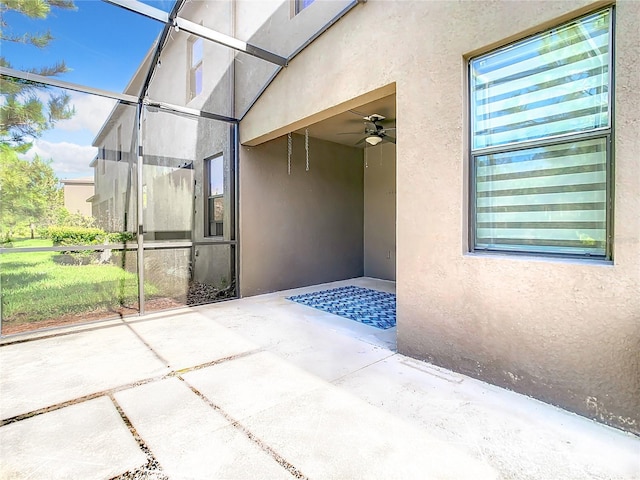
[363, 305]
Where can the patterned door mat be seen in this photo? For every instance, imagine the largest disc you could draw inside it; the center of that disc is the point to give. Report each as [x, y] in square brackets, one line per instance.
[363, 305]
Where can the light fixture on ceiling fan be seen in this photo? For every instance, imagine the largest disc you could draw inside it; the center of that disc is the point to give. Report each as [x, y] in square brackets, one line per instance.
[373, 140]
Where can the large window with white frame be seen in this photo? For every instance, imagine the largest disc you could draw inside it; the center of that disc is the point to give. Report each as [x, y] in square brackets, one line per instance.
[541, 134]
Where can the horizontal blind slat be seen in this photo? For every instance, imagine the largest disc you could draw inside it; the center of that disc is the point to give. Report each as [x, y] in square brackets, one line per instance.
[562, 90]
[554, 194]
[594, 196]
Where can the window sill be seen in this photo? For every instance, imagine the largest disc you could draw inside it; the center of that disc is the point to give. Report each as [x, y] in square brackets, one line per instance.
[529, 257]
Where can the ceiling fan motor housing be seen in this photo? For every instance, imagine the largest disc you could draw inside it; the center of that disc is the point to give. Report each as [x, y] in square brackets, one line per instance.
[375, 118]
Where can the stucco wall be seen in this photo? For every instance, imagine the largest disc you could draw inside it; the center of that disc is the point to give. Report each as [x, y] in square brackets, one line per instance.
[75, 197]
[304, 228]
[380, 212]
[567, 332]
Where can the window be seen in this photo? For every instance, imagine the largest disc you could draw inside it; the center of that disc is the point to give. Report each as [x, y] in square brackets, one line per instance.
[301, 5]
[195, 70]
[214, 211]
[541, 130]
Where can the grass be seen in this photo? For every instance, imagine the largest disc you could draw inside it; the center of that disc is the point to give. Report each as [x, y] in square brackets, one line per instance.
[35, 288]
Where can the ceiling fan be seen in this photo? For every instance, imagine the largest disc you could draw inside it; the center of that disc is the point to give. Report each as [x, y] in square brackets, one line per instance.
[374, 130]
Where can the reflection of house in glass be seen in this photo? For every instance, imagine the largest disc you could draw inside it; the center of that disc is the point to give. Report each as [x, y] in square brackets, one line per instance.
[114, 168]
[186, 195]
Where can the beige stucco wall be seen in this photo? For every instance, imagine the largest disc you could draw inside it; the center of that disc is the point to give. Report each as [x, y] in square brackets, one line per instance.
[76, 195]
[567, 332]
[304, 228]
[380, 212]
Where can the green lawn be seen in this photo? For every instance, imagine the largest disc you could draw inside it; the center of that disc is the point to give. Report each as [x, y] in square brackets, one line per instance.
[34, 288]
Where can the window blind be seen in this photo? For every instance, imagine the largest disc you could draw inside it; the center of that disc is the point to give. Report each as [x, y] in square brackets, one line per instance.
[550, 194]
[550, 198]
[552, 84]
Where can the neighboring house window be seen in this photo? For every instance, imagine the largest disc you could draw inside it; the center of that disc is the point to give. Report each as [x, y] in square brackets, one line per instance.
[214, 211]
[195, 70]
[541, 126]
[302, 4]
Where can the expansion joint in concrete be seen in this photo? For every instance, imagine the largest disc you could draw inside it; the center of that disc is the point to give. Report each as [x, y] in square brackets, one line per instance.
[295, 472]
[110, 392]
[146, 344]
[75, 401]
[248, 353]
[150, 470]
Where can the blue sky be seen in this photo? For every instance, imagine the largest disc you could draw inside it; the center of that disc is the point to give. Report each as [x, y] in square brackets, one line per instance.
[103, 45]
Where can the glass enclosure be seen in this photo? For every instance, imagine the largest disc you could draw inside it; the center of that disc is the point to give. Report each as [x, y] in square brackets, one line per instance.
[188, 183]
[118, 152]
[68, 215]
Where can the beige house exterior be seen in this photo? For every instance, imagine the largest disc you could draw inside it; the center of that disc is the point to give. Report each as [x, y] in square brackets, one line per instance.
[77, 193]
[563, 330]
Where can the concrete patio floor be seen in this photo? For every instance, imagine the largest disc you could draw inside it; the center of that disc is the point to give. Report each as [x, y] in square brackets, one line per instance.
[264, 388]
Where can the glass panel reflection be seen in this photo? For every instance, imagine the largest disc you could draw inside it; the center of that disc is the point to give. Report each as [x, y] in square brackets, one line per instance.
[187, 178]
[176, 277]
[164, 5]
[73, 174]
[195, 73]
[101, 45]
[114, 204]
[251, 75]
[67, 183]
[46, 289]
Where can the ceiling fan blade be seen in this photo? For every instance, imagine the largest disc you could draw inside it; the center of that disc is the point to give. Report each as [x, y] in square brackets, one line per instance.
[389, 139]
[355, 112]
[388, 129]
[361, 141]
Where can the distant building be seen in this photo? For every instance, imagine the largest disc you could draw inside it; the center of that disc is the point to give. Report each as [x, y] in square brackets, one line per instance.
[77, 192]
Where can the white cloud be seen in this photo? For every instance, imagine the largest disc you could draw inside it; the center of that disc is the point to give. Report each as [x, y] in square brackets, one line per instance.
[91, 112]
[69, 159]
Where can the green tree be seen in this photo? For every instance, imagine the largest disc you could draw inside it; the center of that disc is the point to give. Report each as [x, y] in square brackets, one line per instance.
[24, 115]
[30, 193]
